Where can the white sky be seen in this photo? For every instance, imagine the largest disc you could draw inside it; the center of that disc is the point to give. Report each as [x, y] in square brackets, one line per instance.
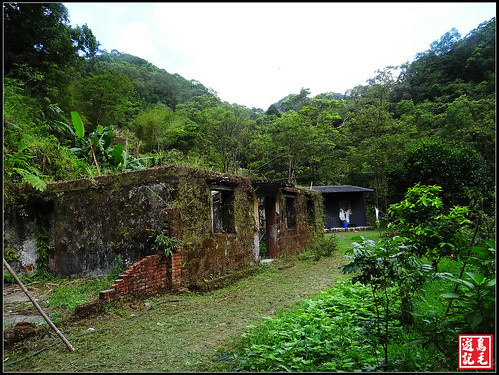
[254, 54]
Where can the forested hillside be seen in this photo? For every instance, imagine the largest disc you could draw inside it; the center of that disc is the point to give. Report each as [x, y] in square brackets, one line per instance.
[72, 111]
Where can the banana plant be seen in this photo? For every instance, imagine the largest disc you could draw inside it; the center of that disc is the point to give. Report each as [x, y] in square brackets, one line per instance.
[78, 124]
[98, 147]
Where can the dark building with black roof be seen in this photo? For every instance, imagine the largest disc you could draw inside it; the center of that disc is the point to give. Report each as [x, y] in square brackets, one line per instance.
[344, 203]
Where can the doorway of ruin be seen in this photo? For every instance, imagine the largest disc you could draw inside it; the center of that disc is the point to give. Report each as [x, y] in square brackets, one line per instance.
[267, 226]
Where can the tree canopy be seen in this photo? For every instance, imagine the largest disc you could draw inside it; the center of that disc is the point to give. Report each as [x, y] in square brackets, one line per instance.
[426, 120]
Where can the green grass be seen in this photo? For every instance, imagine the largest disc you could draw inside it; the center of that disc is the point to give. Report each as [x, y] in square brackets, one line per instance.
[430, 297]
[195, 334]
[345, 238]
[177, 337]
[71, 293]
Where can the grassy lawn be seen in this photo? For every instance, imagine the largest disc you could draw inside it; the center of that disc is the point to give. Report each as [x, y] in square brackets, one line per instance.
[182, 336]
[345, 238]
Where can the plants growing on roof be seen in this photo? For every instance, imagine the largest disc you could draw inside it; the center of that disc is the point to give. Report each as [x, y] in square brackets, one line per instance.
[99, 148]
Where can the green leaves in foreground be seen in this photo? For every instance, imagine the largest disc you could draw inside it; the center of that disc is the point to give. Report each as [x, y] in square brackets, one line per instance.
[474, 309]
[78, 124]
[332, 332]
[31, 179]
[98, 148]
[322, 334]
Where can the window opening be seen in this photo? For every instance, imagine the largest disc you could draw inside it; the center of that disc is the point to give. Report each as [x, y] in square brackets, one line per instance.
[310, 211]
[290, 212]
[223, 211]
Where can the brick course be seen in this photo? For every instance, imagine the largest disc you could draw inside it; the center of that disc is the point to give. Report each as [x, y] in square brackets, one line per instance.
[151, 275]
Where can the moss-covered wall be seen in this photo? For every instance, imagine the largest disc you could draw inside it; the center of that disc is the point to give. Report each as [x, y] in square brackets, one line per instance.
[90, 222]
[94, 221]
[295, 239]
[206, 255]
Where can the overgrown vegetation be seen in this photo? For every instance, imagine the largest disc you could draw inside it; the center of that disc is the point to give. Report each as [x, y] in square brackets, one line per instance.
[433, 123]
[305, 327]
[431, 130]
[322, 334]
[332, 332]
[435, 231]
[190, 335]
[322, 246]
[163, 244]
[394, 315]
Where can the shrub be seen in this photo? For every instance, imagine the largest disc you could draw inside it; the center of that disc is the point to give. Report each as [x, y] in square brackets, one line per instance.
[322, 334]
[434, 231]
[323, 246]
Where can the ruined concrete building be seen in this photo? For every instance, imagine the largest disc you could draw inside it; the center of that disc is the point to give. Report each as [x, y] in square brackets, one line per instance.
[218, 222]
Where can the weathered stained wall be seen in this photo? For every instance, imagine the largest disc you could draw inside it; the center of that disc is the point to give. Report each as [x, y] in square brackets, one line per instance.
[206, 254]
[91, 221]
[294, 239]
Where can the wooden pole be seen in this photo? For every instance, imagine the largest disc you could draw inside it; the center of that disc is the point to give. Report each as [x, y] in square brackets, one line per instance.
[42, 313]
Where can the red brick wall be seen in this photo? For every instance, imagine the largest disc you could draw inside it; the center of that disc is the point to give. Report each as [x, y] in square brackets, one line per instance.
[151, 275]
[176, 269]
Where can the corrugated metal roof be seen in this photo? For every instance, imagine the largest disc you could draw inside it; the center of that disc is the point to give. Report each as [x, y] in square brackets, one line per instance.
[340, 189]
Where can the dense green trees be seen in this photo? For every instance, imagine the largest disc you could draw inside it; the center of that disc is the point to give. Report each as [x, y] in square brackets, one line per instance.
[371, 136]
[435, 230]
[460, 170]
[453, 67]
[41, 48]
[103, 98]
[426, 123]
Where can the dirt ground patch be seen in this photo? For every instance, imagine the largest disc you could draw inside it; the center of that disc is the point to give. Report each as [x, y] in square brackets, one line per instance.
[17, 307]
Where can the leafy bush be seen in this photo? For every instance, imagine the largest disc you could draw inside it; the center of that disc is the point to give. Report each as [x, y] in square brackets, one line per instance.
[322, 334]
[423, 220]
[32, 152]
[100, 150]
[393, 275]
[460, 170]
[8, 278]
[323, 246]
[331, 332]
[162, 243]
[474, 307]
[9, 254]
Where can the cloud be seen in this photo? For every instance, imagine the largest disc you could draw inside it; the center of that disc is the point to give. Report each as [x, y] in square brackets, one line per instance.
[256, 53]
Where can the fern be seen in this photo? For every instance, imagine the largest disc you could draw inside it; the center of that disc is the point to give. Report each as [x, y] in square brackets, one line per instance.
[32, 179]
[20, 158]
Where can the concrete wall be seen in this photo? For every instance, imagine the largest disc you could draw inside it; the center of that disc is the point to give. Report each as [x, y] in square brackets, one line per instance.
[294, 238]
[89, 222]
